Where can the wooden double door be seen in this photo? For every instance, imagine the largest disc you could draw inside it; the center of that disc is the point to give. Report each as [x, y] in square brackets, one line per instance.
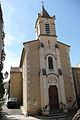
[53, 98]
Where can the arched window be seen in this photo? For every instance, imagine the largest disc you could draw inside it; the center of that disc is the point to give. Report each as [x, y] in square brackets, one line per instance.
[50, 62]
[47, 28]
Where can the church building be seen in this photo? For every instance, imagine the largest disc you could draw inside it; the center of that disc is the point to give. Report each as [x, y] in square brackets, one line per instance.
[43, 81]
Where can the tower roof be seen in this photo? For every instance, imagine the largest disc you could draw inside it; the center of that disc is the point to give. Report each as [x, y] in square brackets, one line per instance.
[44, 13]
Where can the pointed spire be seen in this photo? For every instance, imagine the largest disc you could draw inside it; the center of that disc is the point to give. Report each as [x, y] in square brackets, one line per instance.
[44, 13]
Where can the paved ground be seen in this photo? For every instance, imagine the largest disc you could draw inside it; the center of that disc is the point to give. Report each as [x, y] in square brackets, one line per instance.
[16, 114]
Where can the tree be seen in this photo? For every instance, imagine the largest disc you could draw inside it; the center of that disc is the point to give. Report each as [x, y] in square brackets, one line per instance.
[1, 73]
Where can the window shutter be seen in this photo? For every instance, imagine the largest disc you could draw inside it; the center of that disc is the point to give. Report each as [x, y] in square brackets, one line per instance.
[56, 46]
[42, 44]
[60, 71]
[44, 71]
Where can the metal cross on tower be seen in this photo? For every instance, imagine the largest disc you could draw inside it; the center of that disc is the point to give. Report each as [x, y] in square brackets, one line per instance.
[42, 3]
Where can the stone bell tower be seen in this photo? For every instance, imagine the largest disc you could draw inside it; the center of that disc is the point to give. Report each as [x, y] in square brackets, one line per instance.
[45, 25]
[50, 64]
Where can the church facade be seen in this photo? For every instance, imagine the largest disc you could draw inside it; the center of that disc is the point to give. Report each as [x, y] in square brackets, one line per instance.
[45, 72]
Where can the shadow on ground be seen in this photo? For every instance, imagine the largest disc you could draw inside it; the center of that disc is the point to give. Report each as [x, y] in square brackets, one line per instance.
[5, 117]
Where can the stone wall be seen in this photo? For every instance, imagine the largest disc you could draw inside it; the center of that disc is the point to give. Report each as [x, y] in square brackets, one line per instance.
[33, 77]
[15, 85]
[76, 76]
[67, 74]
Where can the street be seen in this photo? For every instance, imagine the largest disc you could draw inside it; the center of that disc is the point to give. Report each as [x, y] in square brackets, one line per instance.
[15, 114]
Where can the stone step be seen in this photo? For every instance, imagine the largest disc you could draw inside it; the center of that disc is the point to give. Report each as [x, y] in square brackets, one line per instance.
[59, 118]
[55, 111]
[55, 117]
[64, 117]
[57, 114]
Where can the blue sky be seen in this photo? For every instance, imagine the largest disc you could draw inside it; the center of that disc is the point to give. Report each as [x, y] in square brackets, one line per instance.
[19, 20]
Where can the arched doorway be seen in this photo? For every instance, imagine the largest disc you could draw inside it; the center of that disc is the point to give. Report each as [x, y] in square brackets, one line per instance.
[53, 98]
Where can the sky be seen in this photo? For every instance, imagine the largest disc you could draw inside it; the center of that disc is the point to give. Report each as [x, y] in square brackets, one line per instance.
[19, 20]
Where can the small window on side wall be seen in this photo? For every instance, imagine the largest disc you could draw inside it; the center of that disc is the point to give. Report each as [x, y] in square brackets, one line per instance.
[50, 62]
[47, 28]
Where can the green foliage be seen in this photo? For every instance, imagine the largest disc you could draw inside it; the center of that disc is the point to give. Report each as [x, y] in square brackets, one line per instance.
[1, 68]
[1, 74]
[1, 85]
[0, 108]
[1, 89]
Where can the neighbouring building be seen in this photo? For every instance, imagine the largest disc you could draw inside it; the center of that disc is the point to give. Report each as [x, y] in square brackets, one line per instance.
[76, 78]
[16, 83]
[44, 79]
